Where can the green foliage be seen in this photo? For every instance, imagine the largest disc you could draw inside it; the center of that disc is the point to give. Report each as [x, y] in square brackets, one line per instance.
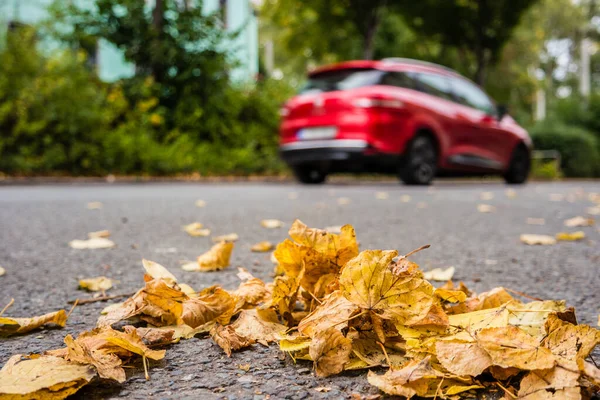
[57, 117]
[578, 147]
[547, 170]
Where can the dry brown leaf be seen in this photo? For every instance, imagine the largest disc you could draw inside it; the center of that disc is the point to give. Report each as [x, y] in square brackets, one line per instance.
[330, 350]
[415, 378]
[99, 284]
[532, 239]
[370, 352]
[404, 296]
[46, 377]
[486, 208]
[554, 379]
[570, 236]
[228, 339]
[93, 243]
[212, 304]
[462, 358]
[230, 237]
[94, 205]
[271, 223]
[536, 221]
[250, 293]
[99, 234]
[17, 326]
[334, 312]
[195, 229]
[215, 259]
[510, 346]
[262, 247]
[250, 324]
[486, 300]
[579, 221]
[439, 274]
[569, 343]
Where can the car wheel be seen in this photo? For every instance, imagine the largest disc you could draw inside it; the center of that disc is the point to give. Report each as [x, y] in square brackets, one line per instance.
[309, 174]
[420, 162]
[520, 164]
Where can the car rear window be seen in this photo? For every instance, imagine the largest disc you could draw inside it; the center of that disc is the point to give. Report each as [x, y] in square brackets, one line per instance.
[344, 79]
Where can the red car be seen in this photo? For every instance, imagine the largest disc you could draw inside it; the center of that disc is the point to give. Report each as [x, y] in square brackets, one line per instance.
[399, 115]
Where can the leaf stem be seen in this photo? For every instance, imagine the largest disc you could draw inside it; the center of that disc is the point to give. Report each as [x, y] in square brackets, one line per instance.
[10, 303]
[410, 253]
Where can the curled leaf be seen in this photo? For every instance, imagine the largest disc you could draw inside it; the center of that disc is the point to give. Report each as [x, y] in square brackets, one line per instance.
[215, 259]
[99, 234]
[531, 239]
[93, 243]
[330, 350]
[570, 236]
[17, 326]
[230, 237]
[195, 229]
[579, 221]
[271, 223]
[262, 247]
[228, 339]
[440, 275]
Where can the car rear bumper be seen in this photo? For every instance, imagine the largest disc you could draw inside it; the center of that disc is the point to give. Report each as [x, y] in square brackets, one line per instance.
[322, 150]
[338, 155]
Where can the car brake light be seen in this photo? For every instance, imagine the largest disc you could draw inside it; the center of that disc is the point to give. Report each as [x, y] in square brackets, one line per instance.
[368, 102]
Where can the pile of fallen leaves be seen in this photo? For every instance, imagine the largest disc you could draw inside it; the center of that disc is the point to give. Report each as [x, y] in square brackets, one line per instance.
[340, 309]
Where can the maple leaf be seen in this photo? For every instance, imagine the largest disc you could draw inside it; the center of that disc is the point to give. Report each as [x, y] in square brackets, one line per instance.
[330, 350]
[228, 339]
[17, 326]
[44, 377]
[402, 296]
[510, 346]
[99, 284]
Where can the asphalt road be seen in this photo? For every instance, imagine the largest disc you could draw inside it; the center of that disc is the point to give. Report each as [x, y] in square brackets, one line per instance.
[37, 222]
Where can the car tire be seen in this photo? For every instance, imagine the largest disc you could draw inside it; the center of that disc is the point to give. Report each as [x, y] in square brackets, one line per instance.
[309, 174]
[419, 164]
[520, 164]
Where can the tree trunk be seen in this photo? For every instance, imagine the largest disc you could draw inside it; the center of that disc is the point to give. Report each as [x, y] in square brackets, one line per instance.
[480, 58]
[372, 26]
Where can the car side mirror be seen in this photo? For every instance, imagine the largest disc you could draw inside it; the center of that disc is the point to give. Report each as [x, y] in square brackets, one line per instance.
[502, 111]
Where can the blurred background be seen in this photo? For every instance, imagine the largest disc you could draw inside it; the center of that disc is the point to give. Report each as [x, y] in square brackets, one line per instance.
[170, 87]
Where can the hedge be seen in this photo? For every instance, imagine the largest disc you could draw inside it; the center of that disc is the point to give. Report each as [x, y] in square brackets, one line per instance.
[578, 147]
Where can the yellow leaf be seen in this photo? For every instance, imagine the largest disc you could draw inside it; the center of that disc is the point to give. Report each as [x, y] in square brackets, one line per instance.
[413, 379]
[94, 205]
[195, 229]
[333, 312]
[250, 293]
[486, 208]
[132, 342]
[157, 271]
[510, 346]
[93, 243]
[570, 236]
[262, 247]
[579, 221]
[216, 258]
[99, 284]
[369, 351]
[330, 350]
[271, 223]
[451, 296]
[553, 379]
[45, 377]
[17, 326]
[99, 234]
[562, 394]
[486, 300]
[531, 239]
[569, 343]
[438, 274]
[293, 344]
[368, 282]
[228, 339]
[230, 237]
[2, 271]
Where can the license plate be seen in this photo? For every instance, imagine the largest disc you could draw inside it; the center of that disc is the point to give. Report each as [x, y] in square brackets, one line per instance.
[325, 132]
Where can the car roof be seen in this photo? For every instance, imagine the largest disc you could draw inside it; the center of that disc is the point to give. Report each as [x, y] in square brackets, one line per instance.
[388, 64]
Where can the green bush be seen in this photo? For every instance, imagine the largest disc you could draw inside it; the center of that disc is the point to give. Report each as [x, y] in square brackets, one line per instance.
[577, 146]
[547, 170]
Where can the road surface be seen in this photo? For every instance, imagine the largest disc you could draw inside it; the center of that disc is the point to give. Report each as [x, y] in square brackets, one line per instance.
[145, 220]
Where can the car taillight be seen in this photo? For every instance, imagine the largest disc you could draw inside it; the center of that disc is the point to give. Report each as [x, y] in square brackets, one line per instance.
[370, 102]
